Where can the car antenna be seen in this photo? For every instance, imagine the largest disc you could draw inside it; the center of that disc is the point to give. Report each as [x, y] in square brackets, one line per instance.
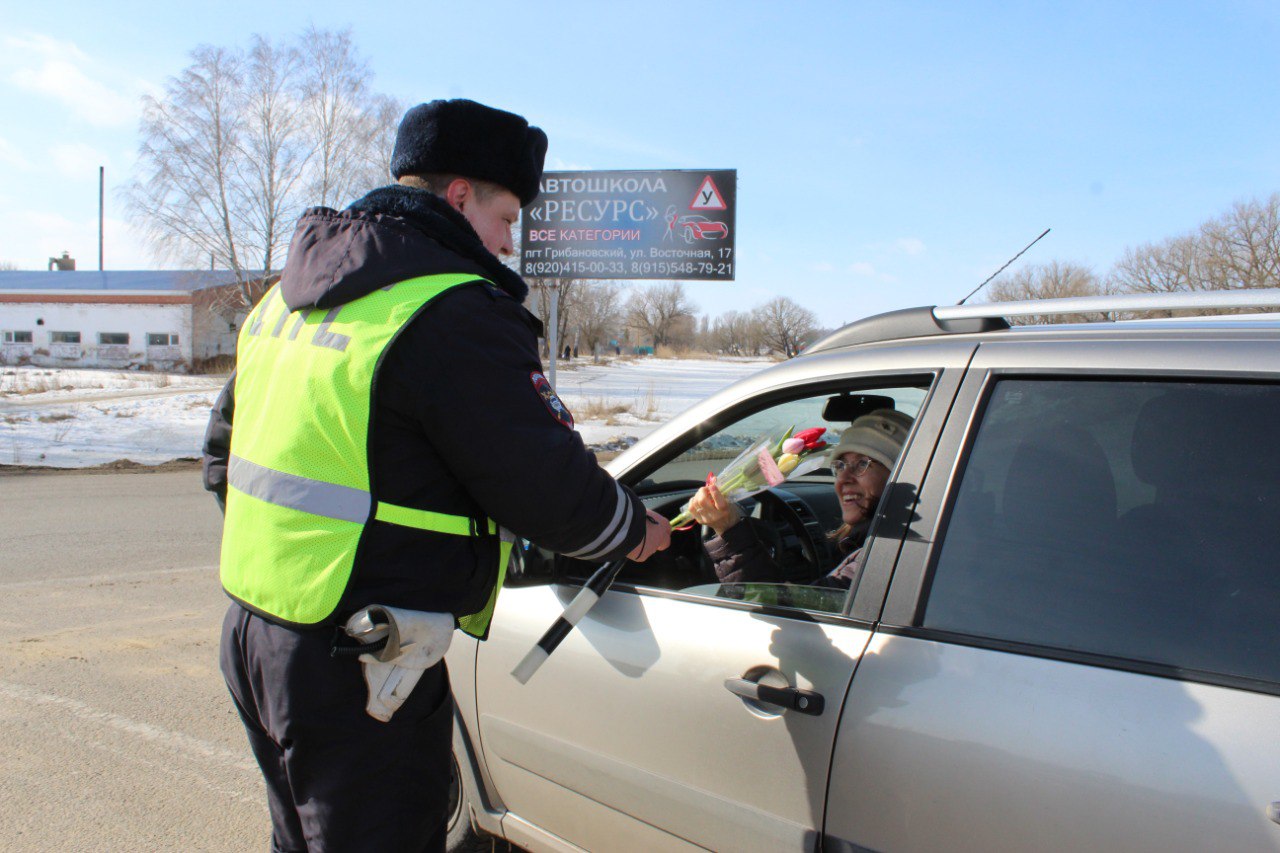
[1006, 264]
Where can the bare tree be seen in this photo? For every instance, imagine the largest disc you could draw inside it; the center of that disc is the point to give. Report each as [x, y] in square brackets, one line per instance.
[190, 140]
[337, 98]
[784, 325]
[1238, 250]
[539, 303]
[599, 313]
[1054, 280]
[242, 141]
[684, 332]
[653, 312]
[274, 150]
[730, 333]
[1241, 248]
[1168, 267]
[382, 117]
[1235, 251]
[9, 265]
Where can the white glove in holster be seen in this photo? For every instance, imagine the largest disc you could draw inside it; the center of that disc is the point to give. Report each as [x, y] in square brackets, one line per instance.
[416, 641]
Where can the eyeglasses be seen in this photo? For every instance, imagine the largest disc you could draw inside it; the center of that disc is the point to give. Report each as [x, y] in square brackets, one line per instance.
[855, 469]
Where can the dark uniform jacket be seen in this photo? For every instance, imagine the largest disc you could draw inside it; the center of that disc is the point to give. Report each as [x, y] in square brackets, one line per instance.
[463, 421]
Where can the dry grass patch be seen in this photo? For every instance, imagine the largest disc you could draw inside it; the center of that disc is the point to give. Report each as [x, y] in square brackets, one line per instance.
[609, 411]
[599, 408]
[665, 351]
[55, 418]
[20, 384]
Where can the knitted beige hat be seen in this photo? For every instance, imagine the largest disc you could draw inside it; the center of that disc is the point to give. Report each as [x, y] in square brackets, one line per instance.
[879, 435]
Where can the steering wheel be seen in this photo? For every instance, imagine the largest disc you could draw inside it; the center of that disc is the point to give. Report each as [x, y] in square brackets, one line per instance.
[804, 562]
[801, 562]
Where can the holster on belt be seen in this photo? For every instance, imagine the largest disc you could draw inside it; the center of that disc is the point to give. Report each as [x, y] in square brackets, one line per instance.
[415, 641]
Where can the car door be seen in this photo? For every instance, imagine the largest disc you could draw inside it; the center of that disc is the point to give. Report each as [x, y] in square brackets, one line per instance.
[628, 738]
[1078, 651]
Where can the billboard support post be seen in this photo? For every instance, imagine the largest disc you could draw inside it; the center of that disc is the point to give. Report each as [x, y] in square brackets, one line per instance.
[553, 340]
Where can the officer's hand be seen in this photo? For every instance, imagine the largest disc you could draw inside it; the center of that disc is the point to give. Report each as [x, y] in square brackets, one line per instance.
[710, 507]
[657, 537]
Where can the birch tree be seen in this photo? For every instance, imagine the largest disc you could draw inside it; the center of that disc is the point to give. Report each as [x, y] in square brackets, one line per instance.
[336, 96]
[274, 148]
[184, 193]
[242, 141]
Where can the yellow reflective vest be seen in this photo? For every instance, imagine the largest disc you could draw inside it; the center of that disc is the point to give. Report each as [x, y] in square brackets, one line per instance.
[298, 496]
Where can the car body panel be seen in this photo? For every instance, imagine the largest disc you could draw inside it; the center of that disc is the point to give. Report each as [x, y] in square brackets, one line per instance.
[1156, 349]
[630, 725]
[948, 747]
[533, 838]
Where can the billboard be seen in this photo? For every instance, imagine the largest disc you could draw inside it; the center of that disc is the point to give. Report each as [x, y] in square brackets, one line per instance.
[653, 224]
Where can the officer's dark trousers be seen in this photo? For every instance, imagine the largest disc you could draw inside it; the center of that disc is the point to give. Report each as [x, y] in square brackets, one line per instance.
[337, 779]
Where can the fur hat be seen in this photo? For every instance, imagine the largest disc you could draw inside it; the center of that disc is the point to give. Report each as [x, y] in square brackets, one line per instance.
[464, 138]
[879, 435]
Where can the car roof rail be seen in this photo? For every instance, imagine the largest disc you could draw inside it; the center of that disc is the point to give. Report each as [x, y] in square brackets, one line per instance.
[992, 316]
[906, 323]
[1117, 302]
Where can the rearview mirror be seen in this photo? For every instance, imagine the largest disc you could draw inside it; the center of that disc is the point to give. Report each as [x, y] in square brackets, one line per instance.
[850, 407]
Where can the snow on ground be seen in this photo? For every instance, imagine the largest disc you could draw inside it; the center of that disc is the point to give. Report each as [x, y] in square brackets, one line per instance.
[79, 418]
[652, 390]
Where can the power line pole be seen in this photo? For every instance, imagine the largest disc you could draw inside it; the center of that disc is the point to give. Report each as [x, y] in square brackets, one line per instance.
[102, 178]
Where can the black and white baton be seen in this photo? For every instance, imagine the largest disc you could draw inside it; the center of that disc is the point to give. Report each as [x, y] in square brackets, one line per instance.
[582, 603]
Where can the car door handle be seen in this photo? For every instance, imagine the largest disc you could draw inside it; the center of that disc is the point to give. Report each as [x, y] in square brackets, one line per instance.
[792, 698]
[1273, 812]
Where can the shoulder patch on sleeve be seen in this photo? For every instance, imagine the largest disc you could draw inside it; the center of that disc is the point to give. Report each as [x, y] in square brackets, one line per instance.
[554, 404]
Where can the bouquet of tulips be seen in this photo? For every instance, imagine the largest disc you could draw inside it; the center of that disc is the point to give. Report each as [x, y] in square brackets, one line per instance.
[767, 462]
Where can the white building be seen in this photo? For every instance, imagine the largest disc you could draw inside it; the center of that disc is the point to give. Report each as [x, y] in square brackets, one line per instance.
[162, 319]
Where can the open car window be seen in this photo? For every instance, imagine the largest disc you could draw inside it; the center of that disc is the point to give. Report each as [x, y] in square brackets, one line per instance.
[790, 525]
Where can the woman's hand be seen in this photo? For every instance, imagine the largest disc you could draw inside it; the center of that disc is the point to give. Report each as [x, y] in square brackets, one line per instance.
[710, 507]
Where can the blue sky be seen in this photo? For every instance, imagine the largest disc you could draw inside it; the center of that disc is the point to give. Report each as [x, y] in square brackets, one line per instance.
[888, 154]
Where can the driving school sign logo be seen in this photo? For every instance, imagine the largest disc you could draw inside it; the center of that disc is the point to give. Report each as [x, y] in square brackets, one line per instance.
[708, 197]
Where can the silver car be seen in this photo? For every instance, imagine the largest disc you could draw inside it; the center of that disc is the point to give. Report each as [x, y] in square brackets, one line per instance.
[1063, 634]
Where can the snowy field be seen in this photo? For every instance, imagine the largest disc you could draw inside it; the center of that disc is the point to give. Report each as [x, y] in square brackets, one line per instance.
[81, 418]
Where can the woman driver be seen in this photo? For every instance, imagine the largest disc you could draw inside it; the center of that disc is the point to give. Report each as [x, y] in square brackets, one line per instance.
[861, 462]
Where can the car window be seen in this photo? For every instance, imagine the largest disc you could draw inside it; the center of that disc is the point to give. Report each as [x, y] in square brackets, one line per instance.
[716, 450]
[1137, 520]
[787, 532]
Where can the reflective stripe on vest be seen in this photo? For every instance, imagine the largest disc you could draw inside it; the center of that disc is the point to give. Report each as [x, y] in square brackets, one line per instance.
[298, 498]
[338, 502]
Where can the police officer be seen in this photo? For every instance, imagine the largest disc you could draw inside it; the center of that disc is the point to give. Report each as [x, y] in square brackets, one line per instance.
[392, 424]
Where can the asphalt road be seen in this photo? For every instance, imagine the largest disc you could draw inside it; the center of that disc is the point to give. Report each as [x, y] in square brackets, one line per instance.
[116, 732]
